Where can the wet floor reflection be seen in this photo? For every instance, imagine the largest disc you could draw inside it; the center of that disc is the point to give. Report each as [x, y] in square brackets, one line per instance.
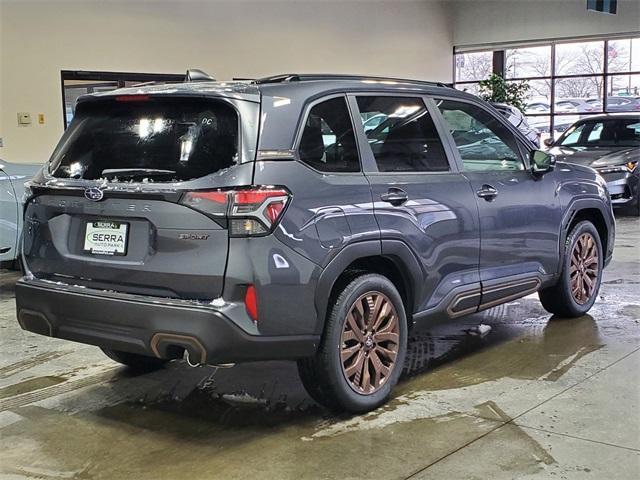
[270, 395]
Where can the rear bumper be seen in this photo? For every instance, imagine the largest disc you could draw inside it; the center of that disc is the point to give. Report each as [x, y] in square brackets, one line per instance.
[148, 326]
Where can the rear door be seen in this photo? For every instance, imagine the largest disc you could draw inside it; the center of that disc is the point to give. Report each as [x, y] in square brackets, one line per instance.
[421, 199]
[520, 214]
[112, 214]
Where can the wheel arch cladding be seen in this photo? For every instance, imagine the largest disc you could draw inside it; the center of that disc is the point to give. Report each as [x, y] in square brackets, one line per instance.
[593, 215]
[341, 271]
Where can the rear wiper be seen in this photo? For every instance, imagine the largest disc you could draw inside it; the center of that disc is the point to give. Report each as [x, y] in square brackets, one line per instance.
[136, 172]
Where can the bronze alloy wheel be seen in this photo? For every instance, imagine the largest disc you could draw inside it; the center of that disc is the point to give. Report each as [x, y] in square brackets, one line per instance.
[584, 268]
[370, 341]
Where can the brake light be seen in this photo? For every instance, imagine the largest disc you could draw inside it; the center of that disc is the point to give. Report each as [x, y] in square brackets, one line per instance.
[251, 302]
[132, 98]
[251, 211]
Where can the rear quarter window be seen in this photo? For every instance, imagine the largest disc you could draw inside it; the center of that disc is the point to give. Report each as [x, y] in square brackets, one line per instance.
[153, 140]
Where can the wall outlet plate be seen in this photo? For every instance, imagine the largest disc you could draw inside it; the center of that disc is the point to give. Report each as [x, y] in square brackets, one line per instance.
[24, 118]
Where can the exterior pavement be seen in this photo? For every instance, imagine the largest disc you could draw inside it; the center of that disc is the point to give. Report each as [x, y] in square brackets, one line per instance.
[535, 398]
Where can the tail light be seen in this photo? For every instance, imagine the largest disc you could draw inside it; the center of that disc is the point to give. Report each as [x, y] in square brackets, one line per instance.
[252, 211]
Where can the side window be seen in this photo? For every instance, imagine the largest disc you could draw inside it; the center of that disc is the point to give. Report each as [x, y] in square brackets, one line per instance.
[483, 142]
[573, 135]
[328, 143]
[402, 135]
[595, 133]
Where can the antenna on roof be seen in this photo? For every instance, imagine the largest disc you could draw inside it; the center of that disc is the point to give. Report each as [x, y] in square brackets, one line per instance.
[195, 75]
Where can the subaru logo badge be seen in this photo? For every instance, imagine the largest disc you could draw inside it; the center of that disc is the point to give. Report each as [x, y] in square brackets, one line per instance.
[93, 193]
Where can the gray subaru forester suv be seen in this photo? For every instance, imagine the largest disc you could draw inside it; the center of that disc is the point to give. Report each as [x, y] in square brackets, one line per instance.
[267, 219]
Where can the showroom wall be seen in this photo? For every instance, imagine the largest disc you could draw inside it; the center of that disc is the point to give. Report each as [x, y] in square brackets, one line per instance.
[486, 21]
[225, 38]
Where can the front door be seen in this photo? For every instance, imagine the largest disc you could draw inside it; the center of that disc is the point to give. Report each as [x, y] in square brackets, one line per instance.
[420, 199]
[519, 212]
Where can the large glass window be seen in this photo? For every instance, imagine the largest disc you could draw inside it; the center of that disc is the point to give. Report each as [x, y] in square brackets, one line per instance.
[528, 62]
[328, 143]
[404, 138]
[483, 142]
[583, 58]
[623, 55]
[471, 68]
[569, 80]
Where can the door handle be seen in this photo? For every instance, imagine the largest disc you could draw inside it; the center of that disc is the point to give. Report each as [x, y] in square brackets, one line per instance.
[395, 196]
[487, 192]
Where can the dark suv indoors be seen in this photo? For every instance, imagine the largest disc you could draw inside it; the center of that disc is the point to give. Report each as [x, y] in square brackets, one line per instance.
[240, 221]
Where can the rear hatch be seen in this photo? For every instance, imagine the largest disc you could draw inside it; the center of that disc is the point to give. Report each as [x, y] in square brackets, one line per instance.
[107, 212]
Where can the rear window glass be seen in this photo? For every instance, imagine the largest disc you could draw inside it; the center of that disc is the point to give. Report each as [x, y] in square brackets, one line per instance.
[152, 140]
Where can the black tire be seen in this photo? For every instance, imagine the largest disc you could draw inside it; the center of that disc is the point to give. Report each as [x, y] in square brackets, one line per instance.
[559, 298]
[325, 377]
[137, 363]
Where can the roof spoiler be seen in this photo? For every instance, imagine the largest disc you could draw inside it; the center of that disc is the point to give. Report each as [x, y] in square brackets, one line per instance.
[195, 75]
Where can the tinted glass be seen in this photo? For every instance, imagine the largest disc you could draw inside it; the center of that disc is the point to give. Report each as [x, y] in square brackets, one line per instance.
[328, 143]
[483, 142]
[616, 132]
[152, 140]
[405, 139]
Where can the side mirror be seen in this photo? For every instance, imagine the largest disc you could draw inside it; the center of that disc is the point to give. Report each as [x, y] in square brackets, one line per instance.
[541, 162]
[548, 142]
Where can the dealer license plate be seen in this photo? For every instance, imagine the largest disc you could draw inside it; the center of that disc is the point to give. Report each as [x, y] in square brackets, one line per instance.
[106, 238]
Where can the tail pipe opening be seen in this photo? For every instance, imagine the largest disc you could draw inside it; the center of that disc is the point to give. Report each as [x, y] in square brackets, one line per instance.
[169, 345]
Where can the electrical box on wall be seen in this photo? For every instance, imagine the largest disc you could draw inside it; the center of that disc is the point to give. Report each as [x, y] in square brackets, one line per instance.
[24, 118]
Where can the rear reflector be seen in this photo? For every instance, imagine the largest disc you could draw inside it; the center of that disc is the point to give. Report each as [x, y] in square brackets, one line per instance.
[251, 303]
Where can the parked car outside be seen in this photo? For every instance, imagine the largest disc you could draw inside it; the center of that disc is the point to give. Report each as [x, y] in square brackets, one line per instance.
[564, 105]
[217, 222]
[623, 104]
[611, 145]
[12, 179]
[518, 120]
[579, 105]
[617, 104]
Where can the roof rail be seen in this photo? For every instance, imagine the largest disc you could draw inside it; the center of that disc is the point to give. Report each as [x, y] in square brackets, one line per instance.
[301, 77]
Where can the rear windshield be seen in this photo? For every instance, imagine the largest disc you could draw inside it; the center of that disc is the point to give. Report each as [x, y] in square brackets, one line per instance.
[148, 140]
